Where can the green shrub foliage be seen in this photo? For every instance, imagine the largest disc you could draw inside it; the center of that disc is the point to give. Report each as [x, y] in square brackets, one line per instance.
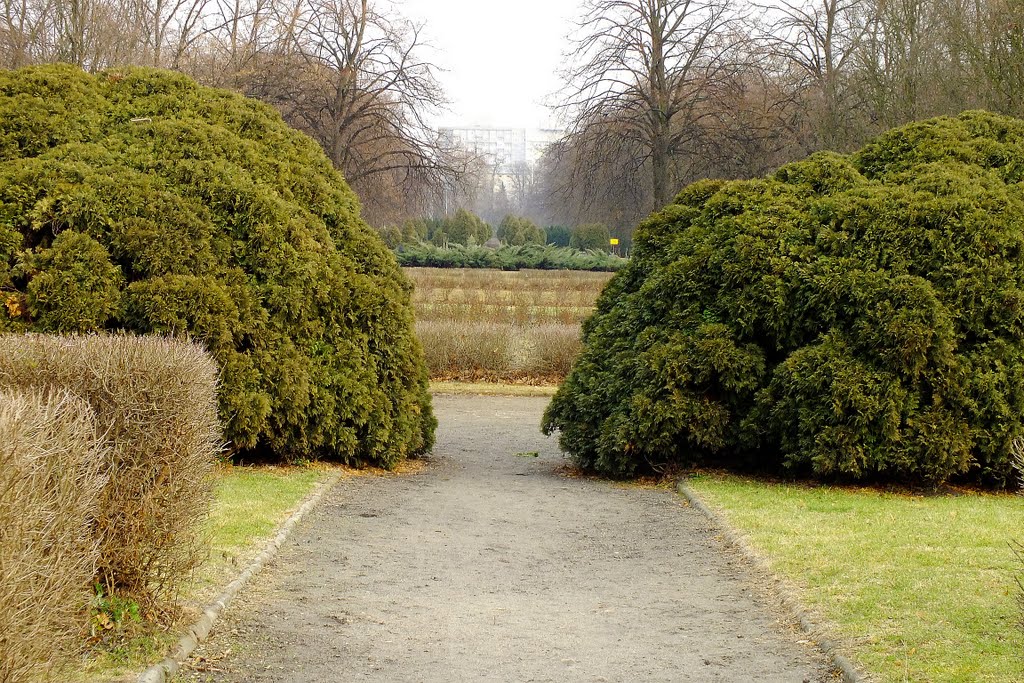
[590, 236]
[558, 235]
[135, 199]
[418, 229]
[391, 235]
[463, 227]
[856, 318]
[533, 256]
[517, 231]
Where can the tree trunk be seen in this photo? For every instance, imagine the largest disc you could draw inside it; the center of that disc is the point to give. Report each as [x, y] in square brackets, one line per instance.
[659, 167]
[658, 77]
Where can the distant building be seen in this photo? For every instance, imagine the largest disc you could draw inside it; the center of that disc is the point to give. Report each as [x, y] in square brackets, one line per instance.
[508, 149]
[512, 155]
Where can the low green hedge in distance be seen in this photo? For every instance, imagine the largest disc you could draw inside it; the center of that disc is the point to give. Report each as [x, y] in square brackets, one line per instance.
[527, 256]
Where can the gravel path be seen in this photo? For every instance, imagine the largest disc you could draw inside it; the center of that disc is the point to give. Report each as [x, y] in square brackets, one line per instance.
[493, 565]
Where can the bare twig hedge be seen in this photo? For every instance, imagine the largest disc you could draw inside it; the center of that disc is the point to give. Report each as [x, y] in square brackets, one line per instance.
[463, 350]
[51, 476]
[155, 405]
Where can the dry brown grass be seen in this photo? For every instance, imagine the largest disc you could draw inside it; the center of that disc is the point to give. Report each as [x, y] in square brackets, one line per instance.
[51, 475]
[429, 279]
[464, 350]
[156, 407]
[490, 325]
[554, 348]
[510, 313]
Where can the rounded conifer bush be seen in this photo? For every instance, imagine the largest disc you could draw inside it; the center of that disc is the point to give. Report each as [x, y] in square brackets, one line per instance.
[135, 199]
[849, 317]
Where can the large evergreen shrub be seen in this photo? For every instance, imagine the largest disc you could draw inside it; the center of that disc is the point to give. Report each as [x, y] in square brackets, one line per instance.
[463, 227]
[854, 317]
[135, 199]
[558, 235]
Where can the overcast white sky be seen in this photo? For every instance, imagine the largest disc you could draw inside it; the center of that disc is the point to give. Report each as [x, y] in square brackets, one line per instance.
[501, 57]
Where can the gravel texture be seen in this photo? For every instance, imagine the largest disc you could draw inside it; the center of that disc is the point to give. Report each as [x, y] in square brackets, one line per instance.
[495, 563]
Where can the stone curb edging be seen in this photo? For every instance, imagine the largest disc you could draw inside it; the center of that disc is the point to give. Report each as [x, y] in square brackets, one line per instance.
[165, 670]
[791, 604]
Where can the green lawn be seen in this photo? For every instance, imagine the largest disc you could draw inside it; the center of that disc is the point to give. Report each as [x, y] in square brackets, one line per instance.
[249, 504]
[921, 588]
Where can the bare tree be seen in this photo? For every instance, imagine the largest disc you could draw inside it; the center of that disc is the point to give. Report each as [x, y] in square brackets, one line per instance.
[647, 65]
[987, 43]
[166, 29]
[23, 29]
[521, 181]
[346, 72]
[96, 34]
[352, 77]
[236, 35]
[85, 33]
[903, 66]
[597, 175]
[820, 40]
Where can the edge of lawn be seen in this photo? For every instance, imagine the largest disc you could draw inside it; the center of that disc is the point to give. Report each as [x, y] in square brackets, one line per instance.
[915, 585]
[250, 506]
[809, 621]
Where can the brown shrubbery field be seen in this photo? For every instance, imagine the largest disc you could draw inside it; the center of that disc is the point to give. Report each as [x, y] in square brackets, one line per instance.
[51, 474]
[503, 326]
[155, 407]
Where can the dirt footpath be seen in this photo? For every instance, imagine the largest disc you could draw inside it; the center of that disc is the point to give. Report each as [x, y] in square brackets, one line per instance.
[492, 565]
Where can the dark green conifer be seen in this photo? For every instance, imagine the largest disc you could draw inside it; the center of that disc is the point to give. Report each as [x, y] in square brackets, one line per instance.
[854, 317]
[137, 200]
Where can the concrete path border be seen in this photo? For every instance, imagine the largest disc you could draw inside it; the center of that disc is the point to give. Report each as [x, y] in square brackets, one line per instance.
[166, 669]
[789, 602]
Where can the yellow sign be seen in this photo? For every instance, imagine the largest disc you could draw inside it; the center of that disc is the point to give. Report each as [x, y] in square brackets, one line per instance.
[615, 241]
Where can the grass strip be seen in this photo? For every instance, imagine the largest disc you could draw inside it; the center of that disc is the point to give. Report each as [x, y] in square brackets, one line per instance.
[921, 588]
[491, 389]
[249, 504]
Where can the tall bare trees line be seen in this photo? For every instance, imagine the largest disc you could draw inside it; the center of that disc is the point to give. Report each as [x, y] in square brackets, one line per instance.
[659, 92]
[345, 72]
[664, 92]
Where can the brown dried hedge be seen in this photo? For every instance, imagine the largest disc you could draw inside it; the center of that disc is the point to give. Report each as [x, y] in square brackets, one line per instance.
[51, 475]
[155, 401]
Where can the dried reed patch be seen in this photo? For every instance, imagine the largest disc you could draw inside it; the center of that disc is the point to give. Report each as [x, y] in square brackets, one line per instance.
[555, 347]
[463, 349]
[499, 352]
[51, 474]
[520, 281]
[497, 326]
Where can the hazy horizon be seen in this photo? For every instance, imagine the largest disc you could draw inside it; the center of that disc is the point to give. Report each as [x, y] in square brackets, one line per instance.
[500, 60]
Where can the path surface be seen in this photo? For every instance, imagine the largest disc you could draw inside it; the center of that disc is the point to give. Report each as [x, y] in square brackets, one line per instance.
[489, 565]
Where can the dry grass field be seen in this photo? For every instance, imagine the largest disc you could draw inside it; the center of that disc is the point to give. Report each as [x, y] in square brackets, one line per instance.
[520, 327]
